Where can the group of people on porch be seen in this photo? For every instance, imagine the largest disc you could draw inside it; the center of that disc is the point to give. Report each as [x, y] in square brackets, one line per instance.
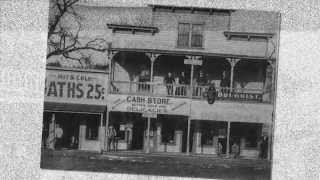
[177, 83]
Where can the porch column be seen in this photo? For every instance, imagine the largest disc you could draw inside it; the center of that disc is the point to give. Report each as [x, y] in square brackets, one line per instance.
[193, 59]
[101, 133]
[272, 64]
[82, 134]
[51, 138]
[196, 143]
[110, 66]
[232, 62]
[272, 94]
[148, 136]
[106, 142]
[153, 58]
[270, 138]
[189, 117]
[228, 139]
[188, 135]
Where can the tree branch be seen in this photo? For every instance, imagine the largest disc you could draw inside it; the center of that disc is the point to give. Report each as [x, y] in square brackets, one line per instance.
[64, 41]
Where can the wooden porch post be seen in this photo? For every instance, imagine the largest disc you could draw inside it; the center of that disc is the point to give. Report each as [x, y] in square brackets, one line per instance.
[148, 136]
[272, 98]
[232, 62]
[272, 64]
[153, 58]
[101, 133]
[228, 139]
[188, 135]
[52, 135]
[189, 117]
[106, 145]
[111, 70]
[191, 77]
[190, 96]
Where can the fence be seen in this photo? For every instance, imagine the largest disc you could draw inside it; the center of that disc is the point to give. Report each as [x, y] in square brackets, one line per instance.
[187, 91]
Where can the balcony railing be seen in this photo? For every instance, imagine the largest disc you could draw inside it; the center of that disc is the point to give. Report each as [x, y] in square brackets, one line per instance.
[187, 91]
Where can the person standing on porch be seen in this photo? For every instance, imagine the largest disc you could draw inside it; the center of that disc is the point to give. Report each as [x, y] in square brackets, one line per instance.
[224, 83]
[169, 81]
[111, 134]
[58, 137]
[202, 81]
[264, 147]
[211, 93]
[235, 150]
[144, 79]
[220, 147]
[181, 91]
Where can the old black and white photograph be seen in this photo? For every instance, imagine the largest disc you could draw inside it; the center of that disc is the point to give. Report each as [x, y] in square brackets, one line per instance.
[157, 89]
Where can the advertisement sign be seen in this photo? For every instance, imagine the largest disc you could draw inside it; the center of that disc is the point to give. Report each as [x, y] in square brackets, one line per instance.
[193, 61]
[239, 96]
[149, 115]
[233, 112]
[75, 87]
[147, 105]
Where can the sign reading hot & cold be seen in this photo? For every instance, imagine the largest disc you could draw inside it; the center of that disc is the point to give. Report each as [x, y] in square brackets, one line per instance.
[75, 87]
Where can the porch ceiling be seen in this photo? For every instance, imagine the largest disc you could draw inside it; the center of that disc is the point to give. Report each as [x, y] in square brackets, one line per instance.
[69, 107]
[192, 53]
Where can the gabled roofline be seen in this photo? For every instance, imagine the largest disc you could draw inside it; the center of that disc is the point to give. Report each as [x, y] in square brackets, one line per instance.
[133, 28]
[188, 8]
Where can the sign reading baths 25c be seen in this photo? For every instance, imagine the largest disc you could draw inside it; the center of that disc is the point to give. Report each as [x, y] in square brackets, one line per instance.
[75, 87]
[148, 104]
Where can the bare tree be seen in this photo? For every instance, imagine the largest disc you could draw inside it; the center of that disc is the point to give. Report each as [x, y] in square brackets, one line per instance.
[63, 33]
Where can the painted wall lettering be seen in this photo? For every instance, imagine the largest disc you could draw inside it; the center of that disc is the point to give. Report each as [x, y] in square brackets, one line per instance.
[68, 86]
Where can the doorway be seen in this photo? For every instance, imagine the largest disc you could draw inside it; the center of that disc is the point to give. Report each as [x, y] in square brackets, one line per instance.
[139, 125]
[70, 124]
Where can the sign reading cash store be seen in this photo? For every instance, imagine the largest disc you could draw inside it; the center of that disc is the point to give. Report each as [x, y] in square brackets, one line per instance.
[148, 104]
[79, 87]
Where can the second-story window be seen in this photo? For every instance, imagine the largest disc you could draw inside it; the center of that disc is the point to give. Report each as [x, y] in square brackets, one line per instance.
[190, 35]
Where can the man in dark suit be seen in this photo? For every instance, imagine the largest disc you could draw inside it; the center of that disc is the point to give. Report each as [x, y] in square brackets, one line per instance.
[169, 81]
[225, 83]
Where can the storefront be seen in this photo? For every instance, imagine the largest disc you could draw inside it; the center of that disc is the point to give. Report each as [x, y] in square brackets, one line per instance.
[228, 128]
[149, 124]
[74, 109]
[179, 125]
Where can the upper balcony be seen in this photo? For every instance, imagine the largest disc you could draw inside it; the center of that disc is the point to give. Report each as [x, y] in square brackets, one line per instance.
[188, 76]
[187, 91]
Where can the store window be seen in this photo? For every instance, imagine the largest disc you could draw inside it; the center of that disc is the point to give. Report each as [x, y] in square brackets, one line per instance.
[190, 35]
[92, 129]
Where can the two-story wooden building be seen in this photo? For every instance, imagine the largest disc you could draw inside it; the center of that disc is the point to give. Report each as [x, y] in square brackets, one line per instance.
[162, 60]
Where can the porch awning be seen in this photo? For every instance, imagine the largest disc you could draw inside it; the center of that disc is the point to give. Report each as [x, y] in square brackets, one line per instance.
[233, 112]
[189, 52]
[71, 107]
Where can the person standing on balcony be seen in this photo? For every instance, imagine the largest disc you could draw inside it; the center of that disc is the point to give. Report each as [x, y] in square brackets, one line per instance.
[202, 81]
[169, 81]
[181, 91]
[225, 83]
[144, 78]
[211, 93]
